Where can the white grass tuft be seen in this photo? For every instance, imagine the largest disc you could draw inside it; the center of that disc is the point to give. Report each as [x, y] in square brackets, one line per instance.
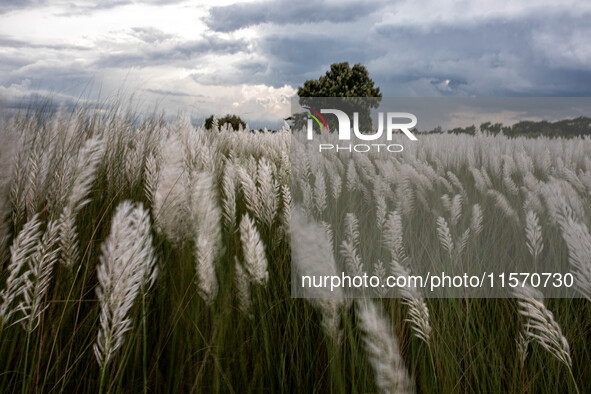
[539, 324]
[207, 217]
[127, 268]
[382, 350]
[444, 234]
[253, 250]
[38, 278]
[533, 234]
[313, 256]
[21, 251]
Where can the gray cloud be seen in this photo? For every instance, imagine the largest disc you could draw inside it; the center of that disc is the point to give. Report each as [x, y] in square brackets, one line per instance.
[12, 5]
[237, 16]
[88, 7]
[178, 52]
[8, 42]
[172, 93]
[498, 57]
[517, 51]
[291, 59]
[255, 72]
[150, 35]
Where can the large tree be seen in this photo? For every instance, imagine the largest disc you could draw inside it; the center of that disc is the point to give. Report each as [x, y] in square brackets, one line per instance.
[343, 81]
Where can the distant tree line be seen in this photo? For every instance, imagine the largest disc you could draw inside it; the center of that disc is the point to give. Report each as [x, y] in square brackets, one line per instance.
[233, 120]
[580, 126]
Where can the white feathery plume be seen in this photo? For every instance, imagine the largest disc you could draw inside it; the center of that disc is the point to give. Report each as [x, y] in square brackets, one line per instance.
[286, 209]
[367, 196]
[508, 170]
[134, 160]
[38, 277]
[476, 224]
[319, 192]
[150, 177]
[405, 196]
[532, 201]
[208, 233]
[127, 267]
[88, 160]
[382, 350]
[307, 196]
[479, 181]
[351, 229]
[578, 240]
[169, 207]
[380, 271]
[22, 249]
[522, 345]
[461, 243]
[16, 188]
[393, 239]
[253, 250]
[539, 324]
[417, 308]
[381, 211]
[249, 191]
[336, 185]
[313, 256]
[444, 235]
[456, 209]
[446, 202]
[68, 237]
[418, 317]
[456, 182]
[353, 181]
[352, 261]
[33, 180]
[502, 202]
[575, 234]
[510, 185]
[533, 233]
[268, 191]
[229, 193]
[243, 287]
[329, 233]
[486, 178]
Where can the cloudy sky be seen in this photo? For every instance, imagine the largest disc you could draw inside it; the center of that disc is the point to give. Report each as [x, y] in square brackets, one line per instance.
[249, 57]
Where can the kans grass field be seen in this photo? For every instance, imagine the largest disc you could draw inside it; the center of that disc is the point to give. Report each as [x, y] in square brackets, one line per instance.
[145, 255]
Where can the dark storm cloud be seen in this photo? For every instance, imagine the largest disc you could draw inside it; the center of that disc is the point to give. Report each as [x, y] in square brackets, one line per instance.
[498, 57]
[291, 59]
[237, 16]
[172, 54]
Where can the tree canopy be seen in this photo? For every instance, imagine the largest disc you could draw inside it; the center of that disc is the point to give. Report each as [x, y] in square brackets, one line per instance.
[342, 81]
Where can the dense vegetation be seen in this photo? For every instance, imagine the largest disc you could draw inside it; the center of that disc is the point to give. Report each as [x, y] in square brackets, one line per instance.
[153, 256]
